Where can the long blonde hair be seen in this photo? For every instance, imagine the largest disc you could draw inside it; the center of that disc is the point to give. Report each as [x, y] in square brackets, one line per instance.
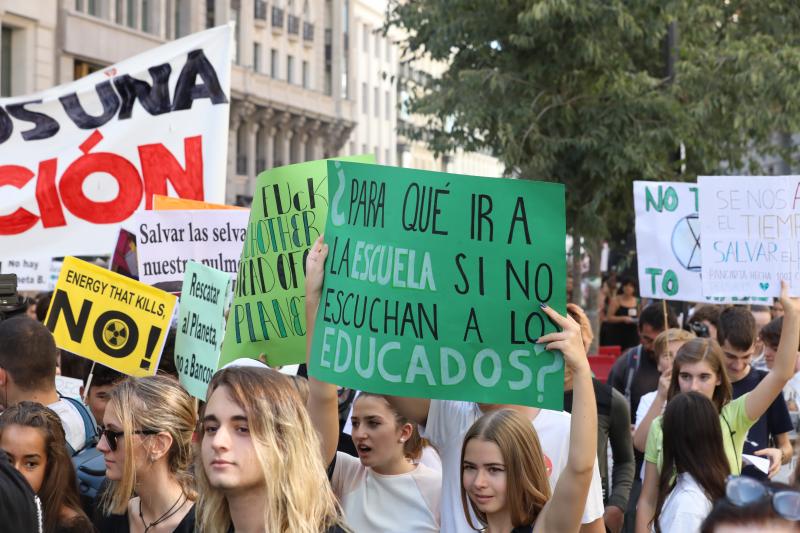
[155, 403]
[298, 495]
[527, 483]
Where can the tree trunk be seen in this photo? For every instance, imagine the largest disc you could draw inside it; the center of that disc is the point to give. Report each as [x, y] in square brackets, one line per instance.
[594, 248]
[577, 295]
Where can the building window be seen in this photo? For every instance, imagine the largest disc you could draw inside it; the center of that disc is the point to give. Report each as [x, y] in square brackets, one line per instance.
[378, 45]
[387, 108]
[274, 64]
[181, 18]
[241, 150]
[146, 13]
[377, 109]
[94, 9]
[84, 68]
[289, 69]
[119, 11]
[78, 5]
[131, 14]
[234, 16]
[364, 99]
[365, 43]
[306, 81]
[260, 9]
[6, 70]
[257, 57]
[211, 13]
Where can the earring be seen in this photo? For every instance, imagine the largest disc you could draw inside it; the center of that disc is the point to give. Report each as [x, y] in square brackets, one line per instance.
[402, 440]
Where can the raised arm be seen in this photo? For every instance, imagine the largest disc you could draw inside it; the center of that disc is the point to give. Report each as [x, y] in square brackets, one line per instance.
[760, 398]
[323, 402]
[648, 499]
[656, 408]
[564, 510]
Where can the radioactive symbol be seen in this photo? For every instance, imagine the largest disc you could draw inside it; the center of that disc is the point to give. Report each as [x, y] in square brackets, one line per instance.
[115, 334]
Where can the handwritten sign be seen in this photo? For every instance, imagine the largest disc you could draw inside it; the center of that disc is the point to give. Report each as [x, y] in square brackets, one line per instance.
[433, 284]
[168, 240]
[109, 318]
[201, 325]
[268, 312]
[750, 227]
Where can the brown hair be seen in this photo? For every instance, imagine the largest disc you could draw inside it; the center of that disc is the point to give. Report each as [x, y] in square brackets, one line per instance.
[527, 485]
[28, 353]
[692, 444]
[738, 327]
[60, 484]
[412, 448]
[299, 498]
[709, 313]
[694, 351]
[755, 516]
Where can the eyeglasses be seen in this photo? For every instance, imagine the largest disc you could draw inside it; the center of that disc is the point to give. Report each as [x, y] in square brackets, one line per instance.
[112, 436]
[742, 491]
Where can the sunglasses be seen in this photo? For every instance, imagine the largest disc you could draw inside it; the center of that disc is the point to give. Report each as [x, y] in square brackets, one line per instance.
[112, 436]
[742, 491]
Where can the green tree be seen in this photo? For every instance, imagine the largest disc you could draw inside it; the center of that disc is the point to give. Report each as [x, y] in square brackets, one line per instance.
[580, 92]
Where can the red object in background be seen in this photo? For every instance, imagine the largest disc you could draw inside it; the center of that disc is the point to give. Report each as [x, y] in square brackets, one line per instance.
[601, 366]
[616, 351]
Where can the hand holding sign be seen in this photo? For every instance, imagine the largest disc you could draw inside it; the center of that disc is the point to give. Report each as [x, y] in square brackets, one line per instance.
[568, 341]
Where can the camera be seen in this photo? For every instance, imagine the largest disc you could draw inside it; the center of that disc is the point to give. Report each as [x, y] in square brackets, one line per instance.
[698, 328]
[10, 301]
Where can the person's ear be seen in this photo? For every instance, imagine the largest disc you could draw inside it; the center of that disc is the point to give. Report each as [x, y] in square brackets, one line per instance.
[160, 445]
[405, 432]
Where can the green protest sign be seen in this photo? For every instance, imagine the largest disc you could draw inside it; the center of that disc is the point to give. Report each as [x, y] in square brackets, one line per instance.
[433, 283]
[267, 316]
[201, 323]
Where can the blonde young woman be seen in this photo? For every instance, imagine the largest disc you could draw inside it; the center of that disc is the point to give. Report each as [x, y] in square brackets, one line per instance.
[504, 479]
[147, 444]
[260, 467]
[385, 489]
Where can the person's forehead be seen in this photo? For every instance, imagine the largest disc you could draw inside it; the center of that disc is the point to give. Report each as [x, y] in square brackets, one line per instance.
[700, 367]
[730, 351]
[222, 405]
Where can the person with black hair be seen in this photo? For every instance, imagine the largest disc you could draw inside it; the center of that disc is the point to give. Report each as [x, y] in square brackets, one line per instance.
[750, 505]
[20, 509]
[103, 380]
[622, 316]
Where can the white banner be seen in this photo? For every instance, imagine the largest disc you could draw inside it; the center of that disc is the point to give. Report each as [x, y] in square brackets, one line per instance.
[750, 228]
[79, 159]
[167, 240]
[668, 240]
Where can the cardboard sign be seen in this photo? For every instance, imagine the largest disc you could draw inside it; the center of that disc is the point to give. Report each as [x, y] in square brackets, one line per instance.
[268, 313]
[106, 317]
[668, 240]
[433, 284]
[77, 160]
[168, 240]
[750, 234]
[168, 203]
[201, 326]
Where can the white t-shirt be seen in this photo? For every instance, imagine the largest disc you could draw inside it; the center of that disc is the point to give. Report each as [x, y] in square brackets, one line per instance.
[403, 503]
[448, 421]
[641, 411]
[685, 507]
[72, 421]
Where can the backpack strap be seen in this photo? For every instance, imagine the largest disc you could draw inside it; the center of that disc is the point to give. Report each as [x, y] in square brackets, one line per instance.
[632, 365]
[89, 424]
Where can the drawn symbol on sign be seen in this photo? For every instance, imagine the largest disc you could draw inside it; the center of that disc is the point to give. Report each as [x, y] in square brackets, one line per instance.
[115, 333]
[686, 242]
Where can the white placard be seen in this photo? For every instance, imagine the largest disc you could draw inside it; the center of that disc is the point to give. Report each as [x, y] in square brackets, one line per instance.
[668, 240]
[33, 273]
[167, 240]
[79, 159]
[750, 227]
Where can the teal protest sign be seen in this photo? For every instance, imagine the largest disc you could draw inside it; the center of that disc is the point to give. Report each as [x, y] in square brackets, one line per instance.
[267, 316]
[433, 283]
[201, 323]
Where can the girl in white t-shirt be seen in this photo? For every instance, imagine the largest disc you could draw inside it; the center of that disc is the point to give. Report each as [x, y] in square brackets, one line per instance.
[504, 478]
[695, 467]
[383, 490]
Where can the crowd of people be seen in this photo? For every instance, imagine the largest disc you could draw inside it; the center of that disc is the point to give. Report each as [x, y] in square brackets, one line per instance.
[671, 443]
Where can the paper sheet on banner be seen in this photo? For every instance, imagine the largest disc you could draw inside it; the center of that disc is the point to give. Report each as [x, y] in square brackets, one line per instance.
[100, 149]
[108, 318]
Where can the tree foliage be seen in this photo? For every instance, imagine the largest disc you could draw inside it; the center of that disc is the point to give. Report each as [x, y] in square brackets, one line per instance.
[578, 92]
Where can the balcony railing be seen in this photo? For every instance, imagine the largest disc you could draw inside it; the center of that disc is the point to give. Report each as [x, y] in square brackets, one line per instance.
[308, 31]
[277, 17]
[260, 9]
[293, 25]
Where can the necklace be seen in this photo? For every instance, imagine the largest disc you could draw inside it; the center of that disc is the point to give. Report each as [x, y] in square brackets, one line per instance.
[170, 512]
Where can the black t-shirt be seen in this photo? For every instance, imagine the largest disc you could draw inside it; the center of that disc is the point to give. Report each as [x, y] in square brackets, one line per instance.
[774, 422]
[118, 523]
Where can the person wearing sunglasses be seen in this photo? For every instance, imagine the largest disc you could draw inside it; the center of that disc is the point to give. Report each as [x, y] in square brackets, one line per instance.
[750, 505]
[146, 440]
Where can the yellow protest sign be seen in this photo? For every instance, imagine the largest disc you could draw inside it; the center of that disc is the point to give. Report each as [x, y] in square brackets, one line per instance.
[109, 318]
[168, 203]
